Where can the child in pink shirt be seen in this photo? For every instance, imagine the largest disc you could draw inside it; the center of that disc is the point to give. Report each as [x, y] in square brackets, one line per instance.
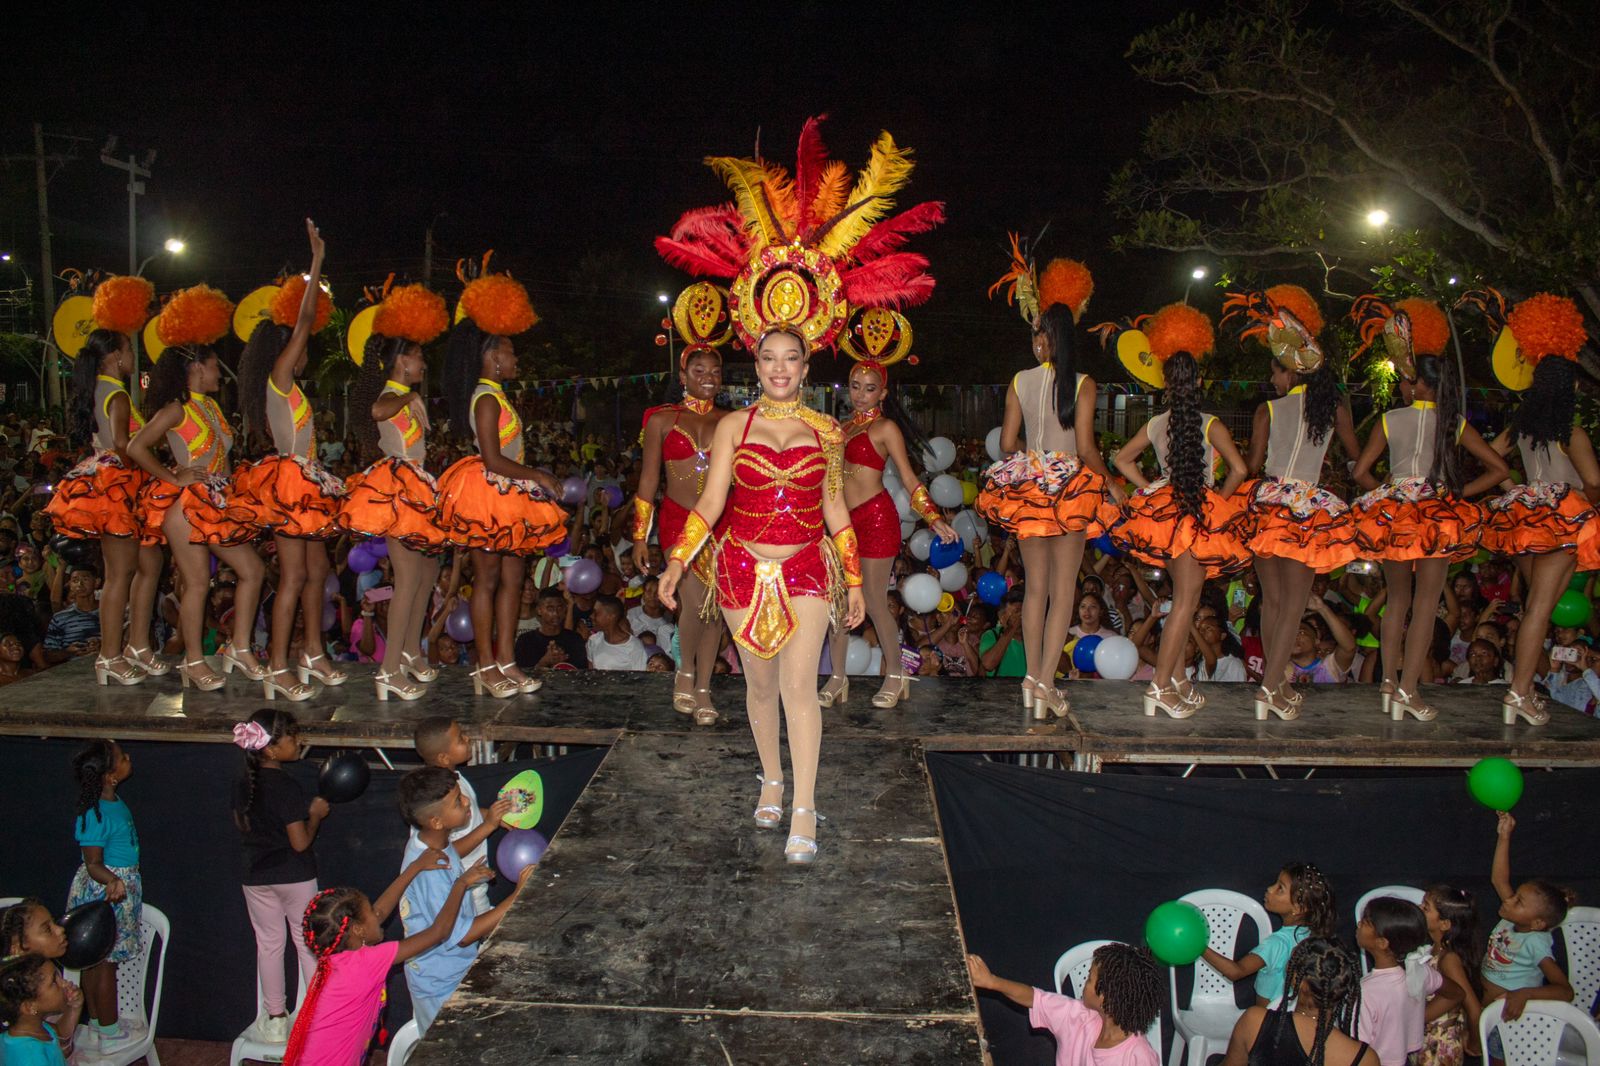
[1121, 1000]
[345, 932]
[1394, 995]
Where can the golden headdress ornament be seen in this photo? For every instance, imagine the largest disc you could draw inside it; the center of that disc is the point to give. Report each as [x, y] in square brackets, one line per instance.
[1409, 328]
[701, 319]
[1144, 344]
[1542, 325]
[1063, 281]
[1286, 319]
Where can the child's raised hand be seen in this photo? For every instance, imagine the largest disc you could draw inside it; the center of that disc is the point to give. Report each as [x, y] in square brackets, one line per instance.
[432, 859]
[1506, 824]
[501, 807]
[478, 873]
[981, 977]
[74, 994]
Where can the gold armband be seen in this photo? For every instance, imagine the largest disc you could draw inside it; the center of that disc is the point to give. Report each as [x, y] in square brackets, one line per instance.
[849, 556]
[643, 512]
[923, 504]
[695, 534]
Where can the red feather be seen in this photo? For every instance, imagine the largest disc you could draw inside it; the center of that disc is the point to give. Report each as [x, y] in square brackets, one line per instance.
[809, 159]
[696, 259]
[720, 229]
[896, 280]
[892, 233]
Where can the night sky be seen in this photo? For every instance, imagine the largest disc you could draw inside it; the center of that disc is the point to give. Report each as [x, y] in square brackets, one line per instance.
[567, 142]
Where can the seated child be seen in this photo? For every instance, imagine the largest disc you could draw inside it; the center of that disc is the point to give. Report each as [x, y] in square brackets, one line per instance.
[1302, 897]
[30, 988]
[1394, 995]
[1519, 964]
[1106, 1026]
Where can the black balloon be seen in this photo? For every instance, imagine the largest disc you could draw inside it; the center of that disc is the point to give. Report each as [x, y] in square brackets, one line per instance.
[91, 934]
[344, 778]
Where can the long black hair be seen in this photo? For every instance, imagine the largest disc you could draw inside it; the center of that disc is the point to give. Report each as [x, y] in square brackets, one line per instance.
[1058, 326]
[1439, 374]
[1322, 401]
[261, 351]
[89, 769]
[377, 367]
[1545, 415]
[463, 364]
[85, 369]
[1186, 443]
[1400, 922]
[278, 724]
[1311, 894]
[1331, 976]
[169, 380]
[1464, 937]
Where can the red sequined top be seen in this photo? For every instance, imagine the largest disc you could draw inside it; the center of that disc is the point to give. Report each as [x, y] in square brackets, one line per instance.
[677, 445]
[776, 496]
[859, 451]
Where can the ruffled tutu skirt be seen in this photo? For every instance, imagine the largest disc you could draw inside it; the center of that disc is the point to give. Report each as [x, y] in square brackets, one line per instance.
[99, 498]
[1542, 517]
[213, 517]
[1045, 494]
[289, 495]
[393, 498]
[497, 514]
[877, 526]
[1414, 519]
[1155, 529]
[1297, 520]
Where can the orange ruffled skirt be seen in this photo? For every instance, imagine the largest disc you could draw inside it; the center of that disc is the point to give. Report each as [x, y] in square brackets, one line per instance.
[394, 498]
[213, 519]
[99, 498]
[289, 495]
[1542, 517]
[481, 510]
[1414, 519]
[1297, 520]
[1045, 494]
[1155, 529]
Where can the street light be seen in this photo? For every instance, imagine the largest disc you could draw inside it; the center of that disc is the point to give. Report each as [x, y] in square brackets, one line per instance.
[1377, 218]
[173, 246]
[661, 296]
[1199, 273]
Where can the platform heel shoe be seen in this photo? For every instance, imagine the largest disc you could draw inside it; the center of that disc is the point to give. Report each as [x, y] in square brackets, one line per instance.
[683, 702]
[1191, 695]
[525, 684]
[231, 662]
[210, 683]
[147, 660]
[1529, 708]
[834, 697]
[801, 850]
[1269, 703]
[1168, 700]
[395, 684]
[421, 670]
[503, 689]
[1027, 694]
[325, 674]
[119, 670]
[292, 690]
[1403, 703]
[887, 699]
[768, 814]
[1386, 696]
[1049, 701]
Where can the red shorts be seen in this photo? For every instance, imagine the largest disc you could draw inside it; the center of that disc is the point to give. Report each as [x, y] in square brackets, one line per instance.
[805, 573]
[877, 526]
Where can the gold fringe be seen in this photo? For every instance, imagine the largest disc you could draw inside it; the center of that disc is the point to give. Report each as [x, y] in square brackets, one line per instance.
[838, 592]
[710, 608]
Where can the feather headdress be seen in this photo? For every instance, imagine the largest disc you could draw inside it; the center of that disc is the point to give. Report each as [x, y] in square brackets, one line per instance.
[1063, 281]
[1286, 318]
[1409, 328]
[496, 303]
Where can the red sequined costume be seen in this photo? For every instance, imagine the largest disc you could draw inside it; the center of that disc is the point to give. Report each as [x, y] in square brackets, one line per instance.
[876, 520]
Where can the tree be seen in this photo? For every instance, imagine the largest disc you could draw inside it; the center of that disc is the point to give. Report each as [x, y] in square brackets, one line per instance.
[1476, 122]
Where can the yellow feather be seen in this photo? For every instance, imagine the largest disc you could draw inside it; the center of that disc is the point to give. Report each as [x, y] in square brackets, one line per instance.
[832, 187]
[744, 177]
[886, 173]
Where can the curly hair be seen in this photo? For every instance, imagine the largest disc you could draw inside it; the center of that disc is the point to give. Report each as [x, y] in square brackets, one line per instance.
[324, 927]
[20, 978]
[377, 367]
[1331, 976]
[1322, 402]
[1440, 375]
[1186, 445]
[1130, 984]
[278, 724]
[14, 924]
[169, 379]
[1312, 896]
[463, 363]
[85, 369]
[1544, 417]
[261, 351]
[89, 769]
[1058, 325]
[1465, 935]
[1554, 900]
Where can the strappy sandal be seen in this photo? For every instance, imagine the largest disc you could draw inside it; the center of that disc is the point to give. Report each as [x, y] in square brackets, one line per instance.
[154, 665]
[1169, 700]
[1048, 701]
[525, 684]
[801, 850]
[1403, 703]
[1386, 695]
[886, 699]
[231, 662]
[1191, 695]
[704, 713]
[1529, 708]
[683, 702]
[503, 689]
[835, 697]
[293, 691]
[419, 669]
[327, 676]
[1269, 703]
[396, 684]
[118, 669]
[209, 683]
[769, 814]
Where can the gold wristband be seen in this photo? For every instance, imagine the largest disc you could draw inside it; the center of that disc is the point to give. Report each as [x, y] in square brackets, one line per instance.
[695, 534]
[643, 512]
[923, 504]
[849, 556]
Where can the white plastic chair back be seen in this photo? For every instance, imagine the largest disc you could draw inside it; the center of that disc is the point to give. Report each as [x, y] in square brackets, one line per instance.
[1405, 892]
[1074, 965]
[1535, 1038]
[132, 1007]
[248, 1044]
[405, 1038]
[1205, 1024]
[1581, 933]
[9, 901]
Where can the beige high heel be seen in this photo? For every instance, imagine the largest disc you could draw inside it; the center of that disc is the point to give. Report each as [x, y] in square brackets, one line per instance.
[502, 689]
[1156, 699]
[525, 684]
[835, 698]
[1191, 696]
[231, 661]
[154, 665]
[420, 669]
[1386, 696]
[1048, 701]
[326, 675]
[1403, 703]
[769, 814]
[1530, 708]
[683, 702]
[1027, 694]
[704, 713]
[886, 699]
[294, 691]
[119, 670]
[396, 684]
[1270, 703]
[211, 683]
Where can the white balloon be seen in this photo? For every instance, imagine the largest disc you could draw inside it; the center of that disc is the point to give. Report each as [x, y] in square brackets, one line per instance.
[946, 491]
[939, 454]
[1116, 658]
[920, 592]
[920, 542]
[965, 524]
[902, 502]
[857, 656]
[891, 475]
[992, 444]
[953, 577]
[983, 527]
[908, 526]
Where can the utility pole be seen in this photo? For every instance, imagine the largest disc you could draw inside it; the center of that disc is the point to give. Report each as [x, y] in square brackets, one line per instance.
[135, 188]
[52, 379]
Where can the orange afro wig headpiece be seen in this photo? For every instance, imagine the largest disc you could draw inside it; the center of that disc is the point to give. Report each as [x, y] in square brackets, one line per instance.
[498, 305]
[413, 313]
[1179, 328]
[285, 306]
[1547, 325]
[196, 315]
[122, 303]
[1066, 281]
[1430, 330]
[1299, 303]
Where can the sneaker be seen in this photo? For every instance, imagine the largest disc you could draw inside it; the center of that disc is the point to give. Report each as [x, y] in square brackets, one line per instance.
[273, 1030]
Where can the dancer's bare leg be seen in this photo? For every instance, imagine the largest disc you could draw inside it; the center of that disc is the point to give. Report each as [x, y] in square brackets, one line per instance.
[1549, 575]
[1066, 556]
[1430, 579]
[875, 583]
[1188, 578]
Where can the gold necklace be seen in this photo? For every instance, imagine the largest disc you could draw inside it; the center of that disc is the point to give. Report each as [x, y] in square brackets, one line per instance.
[698, 406]
[865, 418]
[775, 409]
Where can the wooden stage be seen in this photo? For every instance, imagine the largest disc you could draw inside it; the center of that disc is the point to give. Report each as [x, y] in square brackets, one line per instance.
[663, 927]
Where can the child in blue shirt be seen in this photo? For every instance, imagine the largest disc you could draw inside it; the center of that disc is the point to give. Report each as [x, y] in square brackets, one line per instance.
[110, 871]
[432, 801]
[1304, 900]
[30, 988]
[1519, 964]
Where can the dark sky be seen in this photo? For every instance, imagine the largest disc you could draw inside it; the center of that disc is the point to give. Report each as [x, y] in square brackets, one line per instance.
[551, 133]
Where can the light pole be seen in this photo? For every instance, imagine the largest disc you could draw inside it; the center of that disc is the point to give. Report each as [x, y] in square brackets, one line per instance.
[672, 359]
[173, 246]
[135, 170]
[1197, 274]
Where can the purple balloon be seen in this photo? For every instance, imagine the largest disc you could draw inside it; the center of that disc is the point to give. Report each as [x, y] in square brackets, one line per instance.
[459, 624]
[574, 490]
[379, 547]
[518, 850]
[361, 559]
[330, 615]
[330, 588]
[613, 496]
[583, 576]
[559, 548]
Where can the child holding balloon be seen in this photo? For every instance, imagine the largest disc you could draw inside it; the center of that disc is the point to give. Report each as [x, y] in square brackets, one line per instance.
[1106, 1025]
[1519, 965]
[110, 871]
[1302, 897]
[440, 742]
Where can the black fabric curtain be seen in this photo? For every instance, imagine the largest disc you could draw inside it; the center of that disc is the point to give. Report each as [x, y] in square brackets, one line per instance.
[190, 858]
[1042, 860]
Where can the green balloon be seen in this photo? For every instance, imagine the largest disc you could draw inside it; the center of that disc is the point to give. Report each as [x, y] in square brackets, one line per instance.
[1572, 609]
[1579, 580]
[1177, 932]
[1496, 783]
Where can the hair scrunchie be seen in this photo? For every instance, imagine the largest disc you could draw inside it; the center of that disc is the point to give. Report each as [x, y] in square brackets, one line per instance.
[251, 736]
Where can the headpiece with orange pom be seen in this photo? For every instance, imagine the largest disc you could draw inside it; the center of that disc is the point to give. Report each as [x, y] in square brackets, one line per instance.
[1145, 343]
[194, 318]
[122, 303]
[1410, 328]
[1063, 281]
[1286, 319]
[496, 303]
[1541, 326]
[96, 301]
[284, 309]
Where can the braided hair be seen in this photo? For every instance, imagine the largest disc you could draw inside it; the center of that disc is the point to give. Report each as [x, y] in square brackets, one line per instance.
[278, 724]
[1312, 896]
[85, 369]
[1440, 375]
[261, 352]
[14, 925]
[1545, 415]
[1186, 445]
[377, 367]
[1058, 325]
[20, 978]
[89, 769]
[324, 927]
[1465, 936]
[1130, 985]
[1326, 971]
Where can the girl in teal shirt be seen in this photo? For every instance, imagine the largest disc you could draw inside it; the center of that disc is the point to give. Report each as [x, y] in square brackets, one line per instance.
[1302, 897]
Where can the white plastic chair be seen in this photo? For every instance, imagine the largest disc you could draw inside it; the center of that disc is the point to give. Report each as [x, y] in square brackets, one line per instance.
[1405, 892]
[249, 1044]
[1535, 1039]
[1073, 966]
[132, 1008]
[1204, 1027]
[1581, 933]
[405, 1038]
